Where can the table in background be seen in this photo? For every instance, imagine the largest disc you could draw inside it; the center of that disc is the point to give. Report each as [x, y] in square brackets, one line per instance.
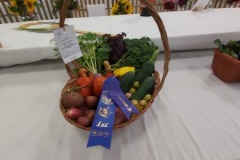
[186, 30]
[194, 117]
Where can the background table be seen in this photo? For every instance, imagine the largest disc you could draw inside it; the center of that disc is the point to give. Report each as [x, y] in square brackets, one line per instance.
[186, 30]
[194, 117]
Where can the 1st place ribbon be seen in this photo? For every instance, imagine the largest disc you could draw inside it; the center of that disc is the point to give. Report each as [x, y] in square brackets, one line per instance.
[116, 93]
[101, 131]
[112, 95]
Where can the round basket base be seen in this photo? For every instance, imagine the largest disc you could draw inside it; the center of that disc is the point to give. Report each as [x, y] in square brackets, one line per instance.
[71, 83]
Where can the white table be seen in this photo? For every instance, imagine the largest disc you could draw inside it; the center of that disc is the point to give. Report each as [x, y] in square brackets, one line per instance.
[186, 30]
[194, 117]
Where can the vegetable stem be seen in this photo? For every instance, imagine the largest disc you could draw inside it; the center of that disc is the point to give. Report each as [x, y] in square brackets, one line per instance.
[154, 56]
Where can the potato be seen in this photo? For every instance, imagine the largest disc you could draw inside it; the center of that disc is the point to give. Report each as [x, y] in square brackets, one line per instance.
[83, 121]
[91, 102]
[119, 116]
[90, 114]
[72, 99]
[84, 110]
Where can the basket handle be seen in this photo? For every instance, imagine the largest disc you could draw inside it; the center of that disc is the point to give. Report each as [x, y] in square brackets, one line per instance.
[153, 12]
[63, 13]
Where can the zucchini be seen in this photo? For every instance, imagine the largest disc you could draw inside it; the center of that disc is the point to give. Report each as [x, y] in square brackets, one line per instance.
[146, 87]
[147, 69]
[126, 81]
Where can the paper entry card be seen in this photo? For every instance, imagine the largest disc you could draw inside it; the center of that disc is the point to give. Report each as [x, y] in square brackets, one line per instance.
[67, 44]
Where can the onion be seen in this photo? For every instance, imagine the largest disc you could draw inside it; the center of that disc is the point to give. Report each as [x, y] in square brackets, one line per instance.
[73, 113]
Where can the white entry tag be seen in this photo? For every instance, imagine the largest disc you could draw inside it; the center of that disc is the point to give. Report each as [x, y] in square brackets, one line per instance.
[67, 44]
[200, 5]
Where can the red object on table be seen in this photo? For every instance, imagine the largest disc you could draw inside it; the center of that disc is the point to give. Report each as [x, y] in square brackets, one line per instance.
[225, 67]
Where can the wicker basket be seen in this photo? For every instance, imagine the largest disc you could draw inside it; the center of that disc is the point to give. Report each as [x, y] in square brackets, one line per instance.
[159, 83]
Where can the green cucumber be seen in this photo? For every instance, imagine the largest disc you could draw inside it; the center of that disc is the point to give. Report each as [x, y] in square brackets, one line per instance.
[147, 69]
[126, 81]
[146, 87]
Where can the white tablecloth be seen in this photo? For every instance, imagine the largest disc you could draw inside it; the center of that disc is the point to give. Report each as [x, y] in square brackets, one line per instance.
[194, 117]
[186, 30]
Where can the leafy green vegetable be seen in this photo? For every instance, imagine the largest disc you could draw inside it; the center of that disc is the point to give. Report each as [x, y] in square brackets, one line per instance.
[232, 48]
[119, 51]
[138, 51]
[95, 50]
[118, 47]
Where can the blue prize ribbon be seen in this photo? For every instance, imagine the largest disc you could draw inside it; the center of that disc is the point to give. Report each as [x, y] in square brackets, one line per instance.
[112, 95]
[101, 131]
[113, 87]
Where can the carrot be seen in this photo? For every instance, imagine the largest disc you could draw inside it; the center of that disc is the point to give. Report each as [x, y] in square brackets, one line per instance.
[91, 76]
[85, 83]
[83, 72]
[98, 84]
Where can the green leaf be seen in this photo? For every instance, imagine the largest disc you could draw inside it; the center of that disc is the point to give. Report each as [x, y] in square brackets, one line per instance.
[219, 44]
[232, 48]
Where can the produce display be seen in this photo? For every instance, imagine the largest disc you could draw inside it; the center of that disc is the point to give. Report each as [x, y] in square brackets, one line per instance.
[226, 61]
[115, 77]
[232, 48]
[131, 61]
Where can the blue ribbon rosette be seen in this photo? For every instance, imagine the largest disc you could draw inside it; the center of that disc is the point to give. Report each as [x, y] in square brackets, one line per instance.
[111, 97]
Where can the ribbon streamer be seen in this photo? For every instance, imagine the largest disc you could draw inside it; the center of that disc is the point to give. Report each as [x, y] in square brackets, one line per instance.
[101, 131]
[115, 92]
[112, 95]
